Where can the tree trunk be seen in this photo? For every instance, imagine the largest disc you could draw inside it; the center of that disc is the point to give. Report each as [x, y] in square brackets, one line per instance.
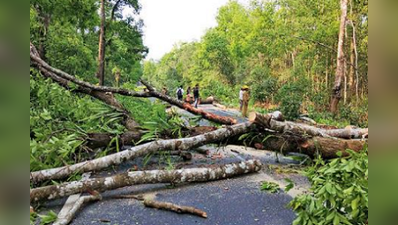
[336, 92]
[118, 158]
[145, 177]
[266, 121]
[101, 46]
[351, 86]
[325, 147]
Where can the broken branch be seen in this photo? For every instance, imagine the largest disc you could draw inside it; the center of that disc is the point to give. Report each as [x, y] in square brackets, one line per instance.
[174, 208]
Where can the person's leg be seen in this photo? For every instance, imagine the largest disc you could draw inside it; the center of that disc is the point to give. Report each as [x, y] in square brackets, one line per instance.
[241, 105]
[244, 113]
[196, 102]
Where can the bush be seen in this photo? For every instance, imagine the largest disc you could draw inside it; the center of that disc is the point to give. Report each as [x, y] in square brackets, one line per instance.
[340, 192]
[265, 90]
[290, 97]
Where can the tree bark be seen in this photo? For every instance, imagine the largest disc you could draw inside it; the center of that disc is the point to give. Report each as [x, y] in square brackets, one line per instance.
[101, 46]
[336, 91]
[118, 158]
[325, 147]
[288, 127]
[145, 177]
[174, 208]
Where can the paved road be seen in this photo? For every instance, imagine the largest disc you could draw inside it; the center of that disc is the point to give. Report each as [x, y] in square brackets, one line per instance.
[234, 201]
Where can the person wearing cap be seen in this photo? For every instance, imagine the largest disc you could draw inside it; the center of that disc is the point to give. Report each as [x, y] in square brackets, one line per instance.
[245, 100]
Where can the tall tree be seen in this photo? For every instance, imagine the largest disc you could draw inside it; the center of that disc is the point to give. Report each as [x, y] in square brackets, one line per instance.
[340, 70]
[101, 46]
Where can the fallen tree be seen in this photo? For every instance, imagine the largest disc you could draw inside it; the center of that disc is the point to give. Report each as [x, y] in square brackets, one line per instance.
[326, 147]
[267, 121]
[106, 97]
[59, 75]
[145, 177]
[118, 158]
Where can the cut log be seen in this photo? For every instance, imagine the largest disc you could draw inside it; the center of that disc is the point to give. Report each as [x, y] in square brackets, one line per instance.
[267, 122]
[152, 147]
[174, 208]
[145, 177]
[326, 147]
[208, 100]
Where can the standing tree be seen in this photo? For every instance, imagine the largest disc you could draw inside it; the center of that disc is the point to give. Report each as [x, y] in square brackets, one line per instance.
[116, 25]
[101, 47]
[340, 70]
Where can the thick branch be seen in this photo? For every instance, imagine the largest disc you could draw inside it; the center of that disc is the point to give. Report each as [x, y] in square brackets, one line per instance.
[145, 177]
[118, 158]
[78, 205]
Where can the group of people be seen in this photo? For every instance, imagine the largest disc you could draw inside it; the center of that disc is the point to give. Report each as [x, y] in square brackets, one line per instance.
[244, 96]
[195, 97]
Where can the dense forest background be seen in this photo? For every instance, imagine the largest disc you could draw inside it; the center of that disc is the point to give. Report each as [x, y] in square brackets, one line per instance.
[286, 50]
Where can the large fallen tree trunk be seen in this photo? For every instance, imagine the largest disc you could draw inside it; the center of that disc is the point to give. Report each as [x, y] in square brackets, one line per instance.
[145, 177]
[118, 158]
[311, 146]
[266, 121]
[106, 97]
[43, 66]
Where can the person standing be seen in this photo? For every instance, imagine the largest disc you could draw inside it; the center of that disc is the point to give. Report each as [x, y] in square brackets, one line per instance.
[188, 99]
[180, 93]
[240, 99]
[245, 100]
[196, 95]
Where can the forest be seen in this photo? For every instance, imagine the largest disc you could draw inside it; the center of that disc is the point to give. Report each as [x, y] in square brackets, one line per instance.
[101, 124]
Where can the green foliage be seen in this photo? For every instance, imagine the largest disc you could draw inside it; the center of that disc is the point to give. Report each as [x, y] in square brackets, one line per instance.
[270, 187]
[49, 218]
[289, 185]
[59, 121]
[291, 96]
[340, 192]
[66, 34]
